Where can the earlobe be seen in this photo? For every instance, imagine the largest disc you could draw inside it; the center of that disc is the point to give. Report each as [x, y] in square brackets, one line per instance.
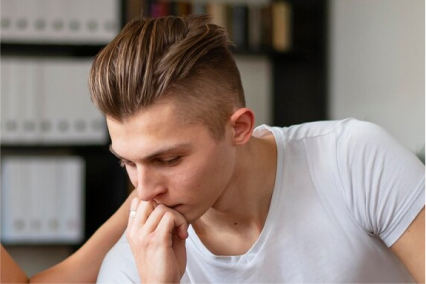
[242, 121]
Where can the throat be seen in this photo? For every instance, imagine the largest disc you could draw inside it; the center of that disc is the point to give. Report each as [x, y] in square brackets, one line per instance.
[233, 224]
[232, 239]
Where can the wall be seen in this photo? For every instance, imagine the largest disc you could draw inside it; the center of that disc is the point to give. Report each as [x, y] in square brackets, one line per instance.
[377, 70]
[256, 78]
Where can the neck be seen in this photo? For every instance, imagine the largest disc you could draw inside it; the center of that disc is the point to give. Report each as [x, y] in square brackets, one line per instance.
[245, 201]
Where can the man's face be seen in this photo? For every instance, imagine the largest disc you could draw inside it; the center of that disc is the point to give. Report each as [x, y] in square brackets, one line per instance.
[172, 163]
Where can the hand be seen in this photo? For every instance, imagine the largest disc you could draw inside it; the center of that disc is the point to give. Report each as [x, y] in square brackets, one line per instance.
[157, 235]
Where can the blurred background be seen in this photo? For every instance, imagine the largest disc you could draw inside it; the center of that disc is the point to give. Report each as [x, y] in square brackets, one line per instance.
[300, 61]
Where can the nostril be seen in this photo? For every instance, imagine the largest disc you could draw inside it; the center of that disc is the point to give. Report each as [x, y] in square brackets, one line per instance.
[152, 194]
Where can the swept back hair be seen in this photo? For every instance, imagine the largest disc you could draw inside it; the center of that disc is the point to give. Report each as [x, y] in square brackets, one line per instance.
[186, 59]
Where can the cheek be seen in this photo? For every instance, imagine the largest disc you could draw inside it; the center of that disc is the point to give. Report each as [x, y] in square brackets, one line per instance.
[187, 180]
[203, 177]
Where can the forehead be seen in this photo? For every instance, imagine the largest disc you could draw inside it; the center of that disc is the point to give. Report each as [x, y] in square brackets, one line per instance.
[155, 127]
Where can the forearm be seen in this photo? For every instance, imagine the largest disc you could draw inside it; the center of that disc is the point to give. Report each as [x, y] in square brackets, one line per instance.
[410, 248]
[83, 266]
[10, 270]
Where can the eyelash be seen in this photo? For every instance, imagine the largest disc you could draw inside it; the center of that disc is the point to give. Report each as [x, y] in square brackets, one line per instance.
[171, 162]
[124, 163]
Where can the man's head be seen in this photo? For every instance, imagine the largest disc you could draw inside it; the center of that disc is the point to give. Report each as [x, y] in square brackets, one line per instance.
[185, 60]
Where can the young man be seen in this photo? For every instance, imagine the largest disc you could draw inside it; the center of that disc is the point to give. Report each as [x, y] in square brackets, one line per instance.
[336, 201]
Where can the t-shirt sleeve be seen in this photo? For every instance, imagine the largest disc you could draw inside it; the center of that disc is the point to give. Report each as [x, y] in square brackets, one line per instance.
[119, 265]
[383, 182]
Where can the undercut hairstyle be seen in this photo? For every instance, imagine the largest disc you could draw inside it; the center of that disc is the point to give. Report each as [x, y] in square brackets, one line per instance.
[184, 59]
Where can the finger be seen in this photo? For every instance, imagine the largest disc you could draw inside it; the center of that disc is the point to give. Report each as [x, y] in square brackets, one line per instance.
[145, 209]
[180, 225]
[182, 231]
[155, 218]
[166, 227]
[140, 215]
[132, 212]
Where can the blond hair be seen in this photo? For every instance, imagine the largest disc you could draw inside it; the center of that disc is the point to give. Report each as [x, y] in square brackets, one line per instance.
[186, 59]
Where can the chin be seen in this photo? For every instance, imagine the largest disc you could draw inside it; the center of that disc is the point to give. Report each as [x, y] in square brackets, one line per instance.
[181, 209]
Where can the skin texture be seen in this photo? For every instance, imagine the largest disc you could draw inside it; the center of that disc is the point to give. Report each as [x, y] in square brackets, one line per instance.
[410, 248]
[171, 164]
[10, 271]
[183, 175]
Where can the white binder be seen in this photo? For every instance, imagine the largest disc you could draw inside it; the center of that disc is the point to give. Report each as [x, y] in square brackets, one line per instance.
[67, 105]
[71, 201]
[4, 101]
[42, 200]
[29, 102]
[47, 101]
[60, 21]
[14, 77]
[15, 203]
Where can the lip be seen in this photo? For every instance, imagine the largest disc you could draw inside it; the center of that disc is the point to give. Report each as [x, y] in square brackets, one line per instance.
[170, 206]
[176, 206]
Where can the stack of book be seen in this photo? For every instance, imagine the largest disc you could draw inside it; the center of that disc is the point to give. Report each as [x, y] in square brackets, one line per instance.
[252, 26]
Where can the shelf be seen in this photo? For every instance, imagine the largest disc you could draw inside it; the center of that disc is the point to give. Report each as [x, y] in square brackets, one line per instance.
[50, 50]
[299, 89]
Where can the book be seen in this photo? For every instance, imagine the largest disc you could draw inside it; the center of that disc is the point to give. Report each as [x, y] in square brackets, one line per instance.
[281, 25]
[255, 27]
[240, 26]
[135, 9]
[217, 10]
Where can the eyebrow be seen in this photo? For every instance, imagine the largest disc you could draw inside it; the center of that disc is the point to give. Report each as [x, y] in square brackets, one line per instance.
[156, 153]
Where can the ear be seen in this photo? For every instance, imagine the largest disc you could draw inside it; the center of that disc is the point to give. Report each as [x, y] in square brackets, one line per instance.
[242, 122]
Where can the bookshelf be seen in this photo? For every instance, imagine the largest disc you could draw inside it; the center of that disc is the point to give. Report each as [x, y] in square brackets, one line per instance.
[48, 120]
[291, 33]
[300, 77]
[298, 82]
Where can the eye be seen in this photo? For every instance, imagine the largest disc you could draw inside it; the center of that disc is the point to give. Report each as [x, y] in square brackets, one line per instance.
[170, 162]
[124, 163]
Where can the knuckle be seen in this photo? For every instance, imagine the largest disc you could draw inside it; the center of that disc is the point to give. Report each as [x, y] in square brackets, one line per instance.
[131, 233]
[161, 208]
[145, 241]
[134, 202]
[169, 215]
[129, 236]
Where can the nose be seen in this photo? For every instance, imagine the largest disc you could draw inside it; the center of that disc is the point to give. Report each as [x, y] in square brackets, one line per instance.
[149, 184]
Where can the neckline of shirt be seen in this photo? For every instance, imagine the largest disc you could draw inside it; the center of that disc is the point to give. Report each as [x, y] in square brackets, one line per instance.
[257, 246]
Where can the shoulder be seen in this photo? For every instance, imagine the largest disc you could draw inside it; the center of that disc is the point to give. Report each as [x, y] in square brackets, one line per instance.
[119, 265]
[353, 130]
[318, 129]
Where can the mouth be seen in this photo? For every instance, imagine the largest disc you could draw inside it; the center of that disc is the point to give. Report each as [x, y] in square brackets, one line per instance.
[175, 207]
[170, 206]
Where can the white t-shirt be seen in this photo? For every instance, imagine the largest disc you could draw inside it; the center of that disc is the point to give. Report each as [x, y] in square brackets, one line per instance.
[345, 191]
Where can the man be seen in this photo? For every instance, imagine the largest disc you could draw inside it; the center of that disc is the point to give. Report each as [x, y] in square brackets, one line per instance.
[336, 201]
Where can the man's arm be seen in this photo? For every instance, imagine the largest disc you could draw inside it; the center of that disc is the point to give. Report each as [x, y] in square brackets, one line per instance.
[83, 266]
[410, 248]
